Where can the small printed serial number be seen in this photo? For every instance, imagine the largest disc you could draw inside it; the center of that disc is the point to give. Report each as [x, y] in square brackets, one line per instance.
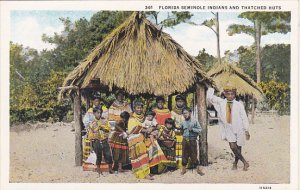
[265, 187]
[148, 7]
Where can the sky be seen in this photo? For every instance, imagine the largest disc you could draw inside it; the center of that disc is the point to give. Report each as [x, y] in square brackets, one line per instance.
[27, 28]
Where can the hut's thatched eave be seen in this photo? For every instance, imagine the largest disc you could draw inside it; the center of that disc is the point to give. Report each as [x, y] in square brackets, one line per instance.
[228, 74]
[139, 58]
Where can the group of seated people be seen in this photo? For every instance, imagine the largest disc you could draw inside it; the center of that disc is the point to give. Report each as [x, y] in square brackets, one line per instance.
[158, 138]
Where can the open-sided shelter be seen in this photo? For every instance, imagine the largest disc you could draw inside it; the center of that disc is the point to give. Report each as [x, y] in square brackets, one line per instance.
[228, 74]
[141, 59]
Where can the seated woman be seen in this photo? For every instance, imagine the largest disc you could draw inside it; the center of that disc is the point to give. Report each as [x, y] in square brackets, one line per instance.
[161, 113]
[142, 153]
[118, 106]
[167, 142]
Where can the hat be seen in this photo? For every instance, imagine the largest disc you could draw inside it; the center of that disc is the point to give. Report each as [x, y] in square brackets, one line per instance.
[229, 88]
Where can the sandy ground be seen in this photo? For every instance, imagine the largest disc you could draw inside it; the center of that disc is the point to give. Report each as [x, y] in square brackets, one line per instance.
[45, 153]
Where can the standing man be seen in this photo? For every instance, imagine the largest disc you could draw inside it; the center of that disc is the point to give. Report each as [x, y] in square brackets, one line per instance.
[233, 120]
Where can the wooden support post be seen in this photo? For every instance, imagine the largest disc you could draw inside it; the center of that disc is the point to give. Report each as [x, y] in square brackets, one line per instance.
[253, 110]
[88, 102]
[170, 102]
[246, 104]
[202, 117]
[77, 123]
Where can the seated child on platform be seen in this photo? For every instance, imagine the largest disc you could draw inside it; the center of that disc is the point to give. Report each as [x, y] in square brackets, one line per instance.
[150, 124]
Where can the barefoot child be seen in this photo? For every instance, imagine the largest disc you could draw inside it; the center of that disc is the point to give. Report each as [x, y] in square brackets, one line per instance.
[167, 142]
[150, 124]
[233, 122]
[98, 135]
[191, 130]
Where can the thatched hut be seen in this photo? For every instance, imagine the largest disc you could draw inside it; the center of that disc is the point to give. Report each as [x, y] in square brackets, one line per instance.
[140, 59]
[229, 74]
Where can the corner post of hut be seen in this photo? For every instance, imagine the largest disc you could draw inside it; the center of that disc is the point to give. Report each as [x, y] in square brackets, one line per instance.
[202, 117]
[77, 124]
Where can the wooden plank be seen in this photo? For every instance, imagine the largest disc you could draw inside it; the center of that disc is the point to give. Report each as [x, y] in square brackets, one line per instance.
[202, 117]
[253, 110]
[170, 102]
[77, 123]
[67, 87]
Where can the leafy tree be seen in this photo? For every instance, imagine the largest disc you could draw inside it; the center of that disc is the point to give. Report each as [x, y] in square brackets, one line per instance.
[206, 59]
[247, 60]
[213, 24]
[172, 18]
[275, 61]
[278, 95]
[79, 38]
[36, 76]
[263, 23]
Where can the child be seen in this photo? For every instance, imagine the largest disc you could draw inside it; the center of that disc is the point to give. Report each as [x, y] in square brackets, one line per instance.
[191, 130]
[98, 134]
[167, 142]
[150, 124]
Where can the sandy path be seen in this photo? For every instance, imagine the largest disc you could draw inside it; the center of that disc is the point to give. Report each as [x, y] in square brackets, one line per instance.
[46, 154]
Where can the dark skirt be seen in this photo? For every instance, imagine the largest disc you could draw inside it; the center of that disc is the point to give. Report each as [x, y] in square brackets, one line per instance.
[170, 153]
[119, 148]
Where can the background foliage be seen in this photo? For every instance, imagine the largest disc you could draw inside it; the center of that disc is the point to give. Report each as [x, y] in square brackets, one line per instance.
[35, 76]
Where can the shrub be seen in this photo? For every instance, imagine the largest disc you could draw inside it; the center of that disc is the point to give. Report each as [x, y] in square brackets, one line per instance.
[277, 95]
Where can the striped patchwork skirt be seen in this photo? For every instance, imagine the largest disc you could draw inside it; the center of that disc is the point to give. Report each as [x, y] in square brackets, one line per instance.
[178, 149]
[143, 155]
[87, 144]
[119, 148]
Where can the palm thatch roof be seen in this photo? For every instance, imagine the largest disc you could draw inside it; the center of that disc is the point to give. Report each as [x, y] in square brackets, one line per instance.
[139, 58]
[228, 74]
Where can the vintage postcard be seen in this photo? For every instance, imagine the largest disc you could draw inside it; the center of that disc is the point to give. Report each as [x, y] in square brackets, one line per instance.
[149, 94]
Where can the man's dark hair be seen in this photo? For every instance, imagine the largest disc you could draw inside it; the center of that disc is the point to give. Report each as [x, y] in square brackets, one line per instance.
[96, 109]
[170, 121]
[125, 115]
[138, 103]
[187, 109]
[160, 98]
[150, 112]
[180, 97]
[96, 97]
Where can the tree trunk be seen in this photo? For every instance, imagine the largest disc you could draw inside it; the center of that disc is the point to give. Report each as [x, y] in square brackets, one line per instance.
[218, 37]
[253, 110]
[77, 123]
[202, 117]
[170, 102]
[257, 43]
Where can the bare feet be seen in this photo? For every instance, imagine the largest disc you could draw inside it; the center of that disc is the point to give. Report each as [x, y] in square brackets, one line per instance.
[234, 166]
[121, 170]
[183, 171]
[246, 166]
[199, 171]
[149, 177]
